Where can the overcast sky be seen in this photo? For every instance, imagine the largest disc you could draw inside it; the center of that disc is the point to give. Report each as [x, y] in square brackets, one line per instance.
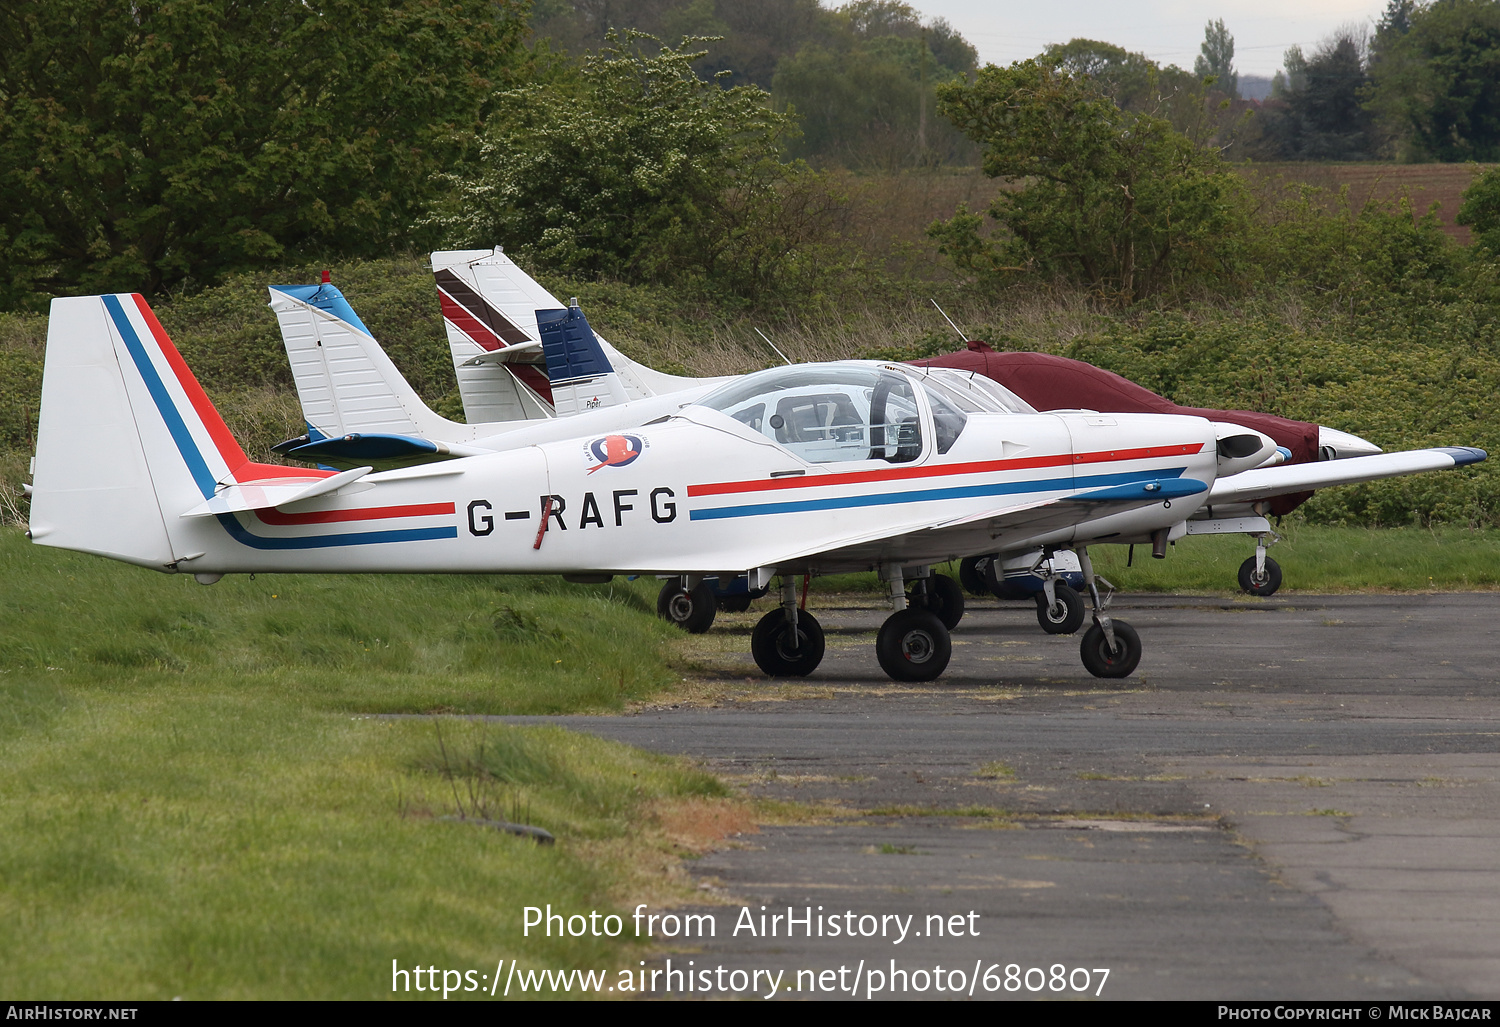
[1167, 31]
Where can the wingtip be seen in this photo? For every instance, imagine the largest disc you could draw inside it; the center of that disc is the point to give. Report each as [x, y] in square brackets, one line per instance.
[1464, 455]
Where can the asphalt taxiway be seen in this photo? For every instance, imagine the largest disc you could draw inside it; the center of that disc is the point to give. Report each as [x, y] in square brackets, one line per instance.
[1291, 798]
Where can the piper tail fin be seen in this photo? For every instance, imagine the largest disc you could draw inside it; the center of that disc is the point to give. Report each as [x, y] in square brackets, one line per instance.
[345, 381]
[127, 441]
[489, 310]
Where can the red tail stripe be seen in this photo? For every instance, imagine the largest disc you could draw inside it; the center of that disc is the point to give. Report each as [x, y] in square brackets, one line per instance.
[469, 324]
[372, 514]
[940, 470]
[240, 466]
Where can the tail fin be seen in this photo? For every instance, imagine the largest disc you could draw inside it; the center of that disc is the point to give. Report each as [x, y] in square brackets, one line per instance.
[490, 304]
[127, 441]
[345, 381]
[492, 337]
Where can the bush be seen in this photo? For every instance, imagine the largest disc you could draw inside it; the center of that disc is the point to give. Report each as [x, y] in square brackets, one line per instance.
[636, 169]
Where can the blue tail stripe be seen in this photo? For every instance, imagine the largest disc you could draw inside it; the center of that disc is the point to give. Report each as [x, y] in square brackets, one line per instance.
[164, 405]
[569, 346]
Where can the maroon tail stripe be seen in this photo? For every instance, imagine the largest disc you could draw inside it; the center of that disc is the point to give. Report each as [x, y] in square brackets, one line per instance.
[478, 308]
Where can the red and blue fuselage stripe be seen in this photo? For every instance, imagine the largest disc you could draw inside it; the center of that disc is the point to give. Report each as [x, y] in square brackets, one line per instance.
[1003, 488]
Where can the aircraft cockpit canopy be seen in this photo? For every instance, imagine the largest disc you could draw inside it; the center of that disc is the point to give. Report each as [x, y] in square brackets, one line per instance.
[828, 413]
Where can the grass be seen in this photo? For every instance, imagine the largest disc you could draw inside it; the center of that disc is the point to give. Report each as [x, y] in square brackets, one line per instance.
[375, 644]
[197, 799]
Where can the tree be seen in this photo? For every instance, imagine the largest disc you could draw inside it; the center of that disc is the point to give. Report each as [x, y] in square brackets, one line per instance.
[1216, 58]
[1481, 210]
[864, 102]
[163, 143]
[1436, 86]
[1116, 200]
[1129, 79]
[642, 171]
[1320, 114]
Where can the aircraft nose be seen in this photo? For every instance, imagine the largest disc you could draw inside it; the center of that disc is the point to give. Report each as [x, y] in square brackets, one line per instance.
[1339, 445]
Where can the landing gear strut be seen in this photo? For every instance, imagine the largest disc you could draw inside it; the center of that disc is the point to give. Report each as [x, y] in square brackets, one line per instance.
[913, 644]
[1110, 648]
[787, 642]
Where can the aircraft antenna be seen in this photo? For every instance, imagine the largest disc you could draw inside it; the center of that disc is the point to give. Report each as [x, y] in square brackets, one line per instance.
[961, 335]
[772, 345]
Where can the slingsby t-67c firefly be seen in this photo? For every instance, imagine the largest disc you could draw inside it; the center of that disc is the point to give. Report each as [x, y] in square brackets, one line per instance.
[809, 469]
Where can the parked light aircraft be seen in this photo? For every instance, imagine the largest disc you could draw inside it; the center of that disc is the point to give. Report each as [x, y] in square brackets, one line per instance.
[496, 287]
[809, 469]
[484, 288]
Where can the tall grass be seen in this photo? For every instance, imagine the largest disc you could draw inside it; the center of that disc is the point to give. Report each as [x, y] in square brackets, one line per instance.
[196, 801]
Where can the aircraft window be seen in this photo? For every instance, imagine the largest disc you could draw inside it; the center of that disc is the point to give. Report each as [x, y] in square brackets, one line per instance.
[751, 415]
[948, 416]
[828, 414]
[987, 392]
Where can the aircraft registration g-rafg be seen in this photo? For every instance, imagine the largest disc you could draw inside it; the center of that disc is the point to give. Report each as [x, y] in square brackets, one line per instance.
[803, 470]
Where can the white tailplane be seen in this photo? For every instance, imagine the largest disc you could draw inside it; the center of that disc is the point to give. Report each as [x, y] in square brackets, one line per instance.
[345, 381]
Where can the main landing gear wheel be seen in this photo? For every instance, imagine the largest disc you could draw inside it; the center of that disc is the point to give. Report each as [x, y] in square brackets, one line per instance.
[780, 652]
[1260, 584]
[971, 575]
[942, 597]
[1100, 661]
[692, 611]
[913, 645]
[1065, 615]
[735, 603]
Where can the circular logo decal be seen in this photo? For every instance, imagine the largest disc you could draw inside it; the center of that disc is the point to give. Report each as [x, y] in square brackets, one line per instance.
[614, 451]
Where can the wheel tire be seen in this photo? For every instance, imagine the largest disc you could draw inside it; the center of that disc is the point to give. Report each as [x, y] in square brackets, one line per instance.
[693, 611]
[770, 644]
[1102, 663]
[735, 603]
[946, 599]
[1266, 586]
[1065, 616]
[971, 575]
[913, 645]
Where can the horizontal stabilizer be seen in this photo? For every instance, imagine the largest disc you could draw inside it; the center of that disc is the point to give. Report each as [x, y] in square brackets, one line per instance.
[1266, 482]
[274, 492]
[374, 448]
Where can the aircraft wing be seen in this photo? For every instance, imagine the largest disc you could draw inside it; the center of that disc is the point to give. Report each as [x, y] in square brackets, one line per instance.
[991, 529]
[1265, 482]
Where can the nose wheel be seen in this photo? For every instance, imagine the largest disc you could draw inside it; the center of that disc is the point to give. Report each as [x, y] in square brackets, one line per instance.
[1260, 575]
[1110, 648]
[913, 643]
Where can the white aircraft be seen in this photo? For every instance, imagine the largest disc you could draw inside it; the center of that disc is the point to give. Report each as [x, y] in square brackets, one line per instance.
[334, 356]
[812, 469]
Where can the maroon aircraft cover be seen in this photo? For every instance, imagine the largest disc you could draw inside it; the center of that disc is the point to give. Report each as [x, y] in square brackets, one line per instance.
[1048, 382]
